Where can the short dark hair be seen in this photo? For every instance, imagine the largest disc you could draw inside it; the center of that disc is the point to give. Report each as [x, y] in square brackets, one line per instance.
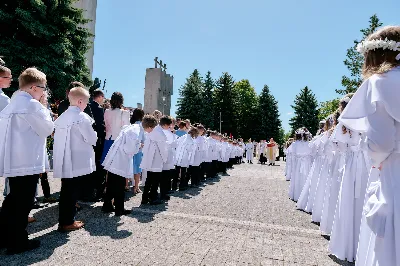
[182, 124]
[149, 121]
[75, 84]
[193, 132]
[165, 120]
[137, 115]
[117, 100]
[4, 70]
[97, 93]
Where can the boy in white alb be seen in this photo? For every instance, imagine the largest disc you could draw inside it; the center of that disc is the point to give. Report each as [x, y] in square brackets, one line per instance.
[73, 155]
[165, 181]
[196, 158]
[24, 126]
[119, 164]
[155, 155]
[169, 166]
[5, 82]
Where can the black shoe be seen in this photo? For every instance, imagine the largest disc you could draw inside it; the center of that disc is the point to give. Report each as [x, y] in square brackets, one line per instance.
[107, 209]
[165, 197]
[183, 188]
[156, 202]
[123, 212]
[38, 205]
[29, 245]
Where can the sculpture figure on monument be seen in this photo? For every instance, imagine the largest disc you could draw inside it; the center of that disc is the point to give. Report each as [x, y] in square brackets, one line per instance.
[155, 62]
[95, 86]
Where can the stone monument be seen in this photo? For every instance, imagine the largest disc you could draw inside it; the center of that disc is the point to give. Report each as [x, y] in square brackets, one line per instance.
[89, 11]
[158, 89]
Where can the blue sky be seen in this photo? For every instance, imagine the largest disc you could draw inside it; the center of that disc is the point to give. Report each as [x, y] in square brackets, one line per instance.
[284, 44]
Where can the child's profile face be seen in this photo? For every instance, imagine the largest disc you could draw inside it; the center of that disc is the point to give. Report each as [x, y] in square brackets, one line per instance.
[37, 91]
[5, 80]
[166, 127]
[82, 103]
[148, 129]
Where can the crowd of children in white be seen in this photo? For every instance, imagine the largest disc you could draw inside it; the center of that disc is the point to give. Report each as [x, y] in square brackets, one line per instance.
[90, 144]
[348, 175]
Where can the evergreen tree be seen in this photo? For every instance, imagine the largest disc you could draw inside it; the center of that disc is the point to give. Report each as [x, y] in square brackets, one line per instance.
[246, 109]
[305, 111]
[269, 122]
[225, 102]
[355, 60]
[208, 111]
[190, 102]
[48, 35]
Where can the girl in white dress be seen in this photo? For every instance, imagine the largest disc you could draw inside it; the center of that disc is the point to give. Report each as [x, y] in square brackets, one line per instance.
[301, 163]
[375, 110]
[320, 186]
[304, 203]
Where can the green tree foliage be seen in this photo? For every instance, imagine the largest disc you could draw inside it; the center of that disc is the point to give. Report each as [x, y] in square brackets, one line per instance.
[190, 102]
[225, 103]
[208, 111]
[246, 109]
[327, 108]
[268, 119]
[355, 60]
[305, 111]
[48, 35]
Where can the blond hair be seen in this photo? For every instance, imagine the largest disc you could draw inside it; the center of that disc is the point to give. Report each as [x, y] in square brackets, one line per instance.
[379, 61]
[30, 77]
[76, 94]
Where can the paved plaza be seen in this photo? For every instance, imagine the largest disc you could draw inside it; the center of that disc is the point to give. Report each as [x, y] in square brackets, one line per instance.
[242, 219]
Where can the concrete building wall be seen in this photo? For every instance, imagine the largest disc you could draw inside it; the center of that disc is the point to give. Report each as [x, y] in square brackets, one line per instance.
[89, 7]
[158, 84]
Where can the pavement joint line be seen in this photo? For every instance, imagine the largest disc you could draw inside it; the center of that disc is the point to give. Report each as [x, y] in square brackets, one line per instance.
[233, 221]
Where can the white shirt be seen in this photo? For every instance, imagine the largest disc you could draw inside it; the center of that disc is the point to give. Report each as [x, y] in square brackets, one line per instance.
[24, 126]
[114, 120]
[155, 151]
[4, 100]
[171, 147]
[73, 154]
[119, 159]
[184, 151]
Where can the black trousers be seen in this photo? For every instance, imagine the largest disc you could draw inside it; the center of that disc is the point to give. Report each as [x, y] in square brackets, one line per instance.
[263, 159]
[183, 180]
[99, 176]
[214, 168]
[203, 168]
[195, 174]
[69, 194]
[15, 210]
[165, 182]
[115, 190]
[44, 182]
[175, 177]
[208, 170]
[151, 186]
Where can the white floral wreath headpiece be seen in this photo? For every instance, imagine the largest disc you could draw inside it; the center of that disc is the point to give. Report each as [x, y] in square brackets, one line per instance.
[366, 46]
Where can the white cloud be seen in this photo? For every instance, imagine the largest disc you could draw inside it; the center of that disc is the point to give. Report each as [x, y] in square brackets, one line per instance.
[290, 113]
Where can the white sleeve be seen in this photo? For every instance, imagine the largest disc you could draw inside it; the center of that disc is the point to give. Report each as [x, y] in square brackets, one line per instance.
[41, 122]
[380, 134]
[131, 145]
[88, 133]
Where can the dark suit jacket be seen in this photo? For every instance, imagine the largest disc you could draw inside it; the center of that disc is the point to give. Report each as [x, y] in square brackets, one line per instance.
[98, 115]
